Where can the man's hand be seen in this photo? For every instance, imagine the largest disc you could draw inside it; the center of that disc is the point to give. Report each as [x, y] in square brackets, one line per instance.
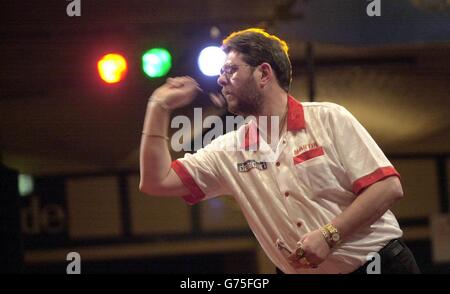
[177, 92]
[315, 249]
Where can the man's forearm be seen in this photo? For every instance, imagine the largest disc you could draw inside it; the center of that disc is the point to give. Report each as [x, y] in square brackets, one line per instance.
[155, 159]
[369, 206]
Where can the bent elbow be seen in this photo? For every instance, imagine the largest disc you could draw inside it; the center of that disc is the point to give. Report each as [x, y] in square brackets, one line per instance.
[399, 194]
[150, 189]
[145, 188]
[397, 190]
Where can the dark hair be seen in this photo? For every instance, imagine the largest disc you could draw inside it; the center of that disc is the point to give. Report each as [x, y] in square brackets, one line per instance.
[258, 46]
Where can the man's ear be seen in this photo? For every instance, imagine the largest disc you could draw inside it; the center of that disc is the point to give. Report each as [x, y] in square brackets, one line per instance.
[266, 73]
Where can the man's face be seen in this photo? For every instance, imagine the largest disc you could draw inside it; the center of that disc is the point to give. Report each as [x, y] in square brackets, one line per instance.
[239, 86]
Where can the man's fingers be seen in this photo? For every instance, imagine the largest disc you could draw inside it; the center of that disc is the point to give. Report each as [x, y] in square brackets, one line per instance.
[217, 100]
[191, 79]
[179, 82]
[300, 265]
[174, 82]
[301, 262]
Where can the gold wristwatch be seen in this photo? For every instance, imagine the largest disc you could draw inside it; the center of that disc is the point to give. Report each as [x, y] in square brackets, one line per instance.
[331, 234]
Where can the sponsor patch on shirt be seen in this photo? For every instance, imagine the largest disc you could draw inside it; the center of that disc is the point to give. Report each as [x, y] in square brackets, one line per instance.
[249, 164]
[305, 147]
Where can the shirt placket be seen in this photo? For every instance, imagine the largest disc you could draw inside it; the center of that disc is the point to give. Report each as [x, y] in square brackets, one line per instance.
[282, 173]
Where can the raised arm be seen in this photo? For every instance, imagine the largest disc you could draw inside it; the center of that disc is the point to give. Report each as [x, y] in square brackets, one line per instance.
[157, 177]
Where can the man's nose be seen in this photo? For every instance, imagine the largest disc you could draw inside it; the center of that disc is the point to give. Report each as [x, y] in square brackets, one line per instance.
[222, 80]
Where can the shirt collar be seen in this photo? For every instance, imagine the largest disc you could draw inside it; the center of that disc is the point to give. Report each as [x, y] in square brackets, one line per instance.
[296, 116]
[295, 122]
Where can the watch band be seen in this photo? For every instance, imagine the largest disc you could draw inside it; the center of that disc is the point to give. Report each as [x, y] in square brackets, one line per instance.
[325, 234]
[332, 234]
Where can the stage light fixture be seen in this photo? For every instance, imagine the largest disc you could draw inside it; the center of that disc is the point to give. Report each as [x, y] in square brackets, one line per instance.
[210, 60]
[156, 62]
[112, 68]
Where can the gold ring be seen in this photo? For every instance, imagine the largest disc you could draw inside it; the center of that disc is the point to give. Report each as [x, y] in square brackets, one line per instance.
[299, 252]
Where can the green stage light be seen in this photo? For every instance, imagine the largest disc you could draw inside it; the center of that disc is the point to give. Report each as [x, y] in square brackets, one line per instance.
[156, 62]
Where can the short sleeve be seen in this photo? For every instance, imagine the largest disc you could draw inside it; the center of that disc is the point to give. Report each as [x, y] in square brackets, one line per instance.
[363, 160]
[200, 175]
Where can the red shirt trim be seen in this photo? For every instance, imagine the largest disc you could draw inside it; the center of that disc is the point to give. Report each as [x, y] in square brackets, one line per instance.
[295, 121]
[308, 155]
[296, 116]
[383, 172]
[188, 181]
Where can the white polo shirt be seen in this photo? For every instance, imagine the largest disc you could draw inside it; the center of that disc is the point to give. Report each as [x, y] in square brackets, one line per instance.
[320, 165]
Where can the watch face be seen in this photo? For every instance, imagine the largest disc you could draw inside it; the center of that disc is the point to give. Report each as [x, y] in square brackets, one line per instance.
[335, 237]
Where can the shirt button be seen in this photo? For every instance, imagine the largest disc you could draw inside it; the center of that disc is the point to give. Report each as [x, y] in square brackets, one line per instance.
[286, 194]
[284, 141]
[299, 224]
[278, 163]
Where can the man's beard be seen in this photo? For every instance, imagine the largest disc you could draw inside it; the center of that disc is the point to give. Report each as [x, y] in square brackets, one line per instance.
[248, 100]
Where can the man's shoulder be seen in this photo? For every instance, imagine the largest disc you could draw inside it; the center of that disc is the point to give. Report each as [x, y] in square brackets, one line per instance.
[324, 106]
[323, 109]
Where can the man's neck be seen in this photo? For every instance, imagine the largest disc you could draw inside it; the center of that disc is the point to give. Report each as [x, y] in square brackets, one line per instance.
[275, 105]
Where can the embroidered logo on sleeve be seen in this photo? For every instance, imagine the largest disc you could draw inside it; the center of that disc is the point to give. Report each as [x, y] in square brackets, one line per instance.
[249, 164]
